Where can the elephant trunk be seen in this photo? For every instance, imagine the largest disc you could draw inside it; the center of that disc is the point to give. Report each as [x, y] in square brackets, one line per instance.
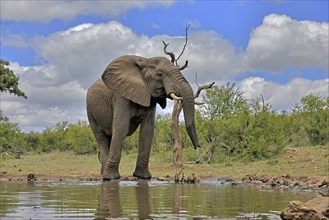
[188, 109]
[177, 84]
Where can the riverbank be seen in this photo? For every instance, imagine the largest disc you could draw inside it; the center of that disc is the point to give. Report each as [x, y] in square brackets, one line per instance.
[296, 168]
[295, 162]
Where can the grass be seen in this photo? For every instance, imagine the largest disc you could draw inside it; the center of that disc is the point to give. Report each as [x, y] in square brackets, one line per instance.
[52, 164]
[301, 161]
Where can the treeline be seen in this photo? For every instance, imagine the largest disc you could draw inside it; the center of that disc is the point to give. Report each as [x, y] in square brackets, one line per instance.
[229, 127]
[62, 137]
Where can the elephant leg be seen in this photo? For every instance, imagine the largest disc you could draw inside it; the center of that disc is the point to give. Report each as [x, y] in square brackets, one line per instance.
[103, 153]
[103, 142]
[120, 127]
[144, 148]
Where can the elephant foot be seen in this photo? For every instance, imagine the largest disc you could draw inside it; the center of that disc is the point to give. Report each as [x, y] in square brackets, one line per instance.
[111, 174]
[142, 173]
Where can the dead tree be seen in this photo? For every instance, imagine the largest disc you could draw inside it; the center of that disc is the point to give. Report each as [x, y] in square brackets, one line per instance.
[178, 143]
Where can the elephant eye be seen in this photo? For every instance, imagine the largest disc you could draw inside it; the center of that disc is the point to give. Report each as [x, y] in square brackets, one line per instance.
[159, 73]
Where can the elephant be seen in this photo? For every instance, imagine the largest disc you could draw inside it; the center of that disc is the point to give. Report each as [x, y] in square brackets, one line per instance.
[124, 98]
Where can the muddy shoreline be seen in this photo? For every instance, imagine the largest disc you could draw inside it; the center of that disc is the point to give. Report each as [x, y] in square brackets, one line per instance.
[305, 183]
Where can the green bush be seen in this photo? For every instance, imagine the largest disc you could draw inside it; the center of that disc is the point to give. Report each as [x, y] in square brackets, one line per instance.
[80, 138]
[12, 143]
[238, 128]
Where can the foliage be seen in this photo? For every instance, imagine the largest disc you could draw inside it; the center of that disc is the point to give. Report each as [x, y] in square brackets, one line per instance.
[314, 114]
[12, 142]
[223, 102]
[230, 128]
[63, 137]
[80, 138]
[163, 137]
[239, 128]
[8, 80]
[54, 138]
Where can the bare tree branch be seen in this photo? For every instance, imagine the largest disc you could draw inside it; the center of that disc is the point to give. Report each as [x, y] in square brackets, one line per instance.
[177, 148]
[200, 88]
[171, 54]
[263, 102]
[186, 38]
[184, 66]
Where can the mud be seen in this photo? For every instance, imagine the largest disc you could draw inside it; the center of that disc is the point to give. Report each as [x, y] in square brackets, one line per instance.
[306, 183]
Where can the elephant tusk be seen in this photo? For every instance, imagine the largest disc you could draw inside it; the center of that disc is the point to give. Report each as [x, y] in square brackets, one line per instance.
[175, 97]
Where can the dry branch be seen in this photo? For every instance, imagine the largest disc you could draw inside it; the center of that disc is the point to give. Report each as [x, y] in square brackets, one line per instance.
[178, 142]
[184, 66]
[200, 88]
[186, 38]
[177, 149]
[171, 54]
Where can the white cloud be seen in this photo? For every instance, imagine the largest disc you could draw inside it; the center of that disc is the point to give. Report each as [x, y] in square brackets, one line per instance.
[212, 57]
[76, 57]
[282, 42]
[45, 11]
[283, 96]
[82, 52]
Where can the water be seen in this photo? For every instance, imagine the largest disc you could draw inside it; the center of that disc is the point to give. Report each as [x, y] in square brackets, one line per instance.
[141, 200]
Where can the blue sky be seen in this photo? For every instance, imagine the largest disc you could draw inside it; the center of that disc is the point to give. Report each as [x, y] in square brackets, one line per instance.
[234, 20]
[266, 47]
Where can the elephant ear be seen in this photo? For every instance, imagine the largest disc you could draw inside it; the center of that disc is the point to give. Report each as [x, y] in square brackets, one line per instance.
[124, 77]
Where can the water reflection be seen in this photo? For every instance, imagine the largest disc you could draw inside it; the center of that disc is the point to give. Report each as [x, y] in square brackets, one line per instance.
[142, 195]
[109, 203]
[148, 200]
[138, 200]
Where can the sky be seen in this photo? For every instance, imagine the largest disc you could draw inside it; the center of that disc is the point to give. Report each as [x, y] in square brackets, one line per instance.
[277, 49]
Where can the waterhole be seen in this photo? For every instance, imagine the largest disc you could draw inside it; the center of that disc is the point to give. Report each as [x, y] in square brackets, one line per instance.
[141, 200]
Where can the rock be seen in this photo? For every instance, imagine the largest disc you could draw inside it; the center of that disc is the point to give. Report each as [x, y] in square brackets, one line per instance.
[315, 209]
[320, 204]
[180, 178]
[162, 179]
[31, 177]
[324, 184]
[247, 178]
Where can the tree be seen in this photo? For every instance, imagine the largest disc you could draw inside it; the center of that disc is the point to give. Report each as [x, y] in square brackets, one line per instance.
[8, 80]
[80, 138]
[314, 117]
[225, 101]
[55, 138]
[178, 142]
[12, 143]
[239, 128]
[11, 139]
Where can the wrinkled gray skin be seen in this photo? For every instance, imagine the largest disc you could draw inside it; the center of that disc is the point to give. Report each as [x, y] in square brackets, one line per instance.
[125, 98]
